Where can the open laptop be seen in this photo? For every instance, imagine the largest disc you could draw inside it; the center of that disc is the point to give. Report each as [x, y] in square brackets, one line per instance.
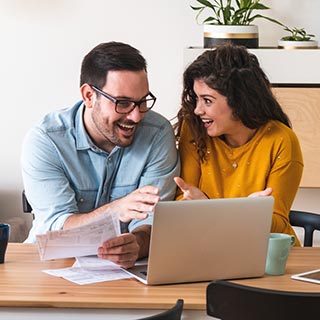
[203, 240]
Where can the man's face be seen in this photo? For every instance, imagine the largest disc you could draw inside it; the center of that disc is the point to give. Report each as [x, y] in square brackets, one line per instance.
[108, 128]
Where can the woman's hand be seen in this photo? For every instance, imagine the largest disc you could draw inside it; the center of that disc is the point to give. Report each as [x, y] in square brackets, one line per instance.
[264, 193]
[189, 192]
[192, 193]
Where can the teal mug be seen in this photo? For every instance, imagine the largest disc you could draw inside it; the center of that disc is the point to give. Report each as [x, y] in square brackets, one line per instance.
[278, 252]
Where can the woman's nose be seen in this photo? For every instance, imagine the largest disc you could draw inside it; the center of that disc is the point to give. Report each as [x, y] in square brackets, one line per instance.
[198, 109]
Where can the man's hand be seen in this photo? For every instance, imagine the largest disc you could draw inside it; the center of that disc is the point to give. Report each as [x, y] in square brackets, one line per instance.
[127, 248]
[122, 250]
[189, 192]
[136, 204]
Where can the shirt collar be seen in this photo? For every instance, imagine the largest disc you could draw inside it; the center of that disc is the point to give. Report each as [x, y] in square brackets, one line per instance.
[83, 140]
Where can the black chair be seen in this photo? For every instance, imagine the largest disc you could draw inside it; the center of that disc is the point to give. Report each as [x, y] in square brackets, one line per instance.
[25, 204]
[307, 220]
[172, 314]
[231, 301]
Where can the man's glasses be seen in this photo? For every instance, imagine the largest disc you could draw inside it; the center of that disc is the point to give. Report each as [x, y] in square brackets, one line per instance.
[126, 106]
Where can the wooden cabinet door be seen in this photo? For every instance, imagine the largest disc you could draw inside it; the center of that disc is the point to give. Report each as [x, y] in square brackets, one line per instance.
[302, 105]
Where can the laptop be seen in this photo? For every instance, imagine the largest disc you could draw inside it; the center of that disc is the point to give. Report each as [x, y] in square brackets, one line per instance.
[204, 240]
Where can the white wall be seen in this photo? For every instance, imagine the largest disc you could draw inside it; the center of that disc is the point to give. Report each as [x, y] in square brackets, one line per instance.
[44, 41]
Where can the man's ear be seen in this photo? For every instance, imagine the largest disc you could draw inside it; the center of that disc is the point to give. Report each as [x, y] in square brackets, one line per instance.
[88, 95]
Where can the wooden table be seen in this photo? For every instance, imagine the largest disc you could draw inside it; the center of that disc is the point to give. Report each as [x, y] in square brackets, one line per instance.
[28, 293]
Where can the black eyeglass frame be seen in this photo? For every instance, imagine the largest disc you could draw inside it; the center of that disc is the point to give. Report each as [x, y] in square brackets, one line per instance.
[135, 103]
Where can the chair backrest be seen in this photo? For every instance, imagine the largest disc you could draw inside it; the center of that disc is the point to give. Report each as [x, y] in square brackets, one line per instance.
[231, 301]
[25, 204]
[307, 220]
[172, 314]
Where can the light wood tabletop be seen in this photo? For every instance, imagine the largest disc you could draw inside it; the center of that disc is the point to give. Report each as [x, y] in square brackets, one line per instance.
[23, 284]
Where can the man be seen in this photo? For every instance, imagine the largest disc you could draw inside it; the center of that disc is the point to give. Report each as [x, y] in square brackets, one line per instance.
[107, 154]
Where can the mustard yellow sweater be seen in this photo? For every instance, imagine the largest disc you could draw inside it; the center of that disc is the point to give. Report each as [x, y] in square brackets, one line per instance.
[272, 158]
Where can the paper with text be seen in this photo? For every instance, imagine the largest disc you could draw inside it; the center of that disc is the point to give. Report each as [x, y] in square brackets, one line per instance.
[92, 269]
[80, 241]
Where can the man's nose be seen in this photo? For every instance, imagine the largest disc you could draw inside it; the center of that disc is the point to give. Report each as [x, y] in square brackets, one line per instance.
[135, 115]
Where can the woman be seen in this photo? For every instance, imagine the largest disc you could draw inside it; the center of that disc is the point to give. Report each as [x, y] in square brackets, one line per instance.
[234, 138]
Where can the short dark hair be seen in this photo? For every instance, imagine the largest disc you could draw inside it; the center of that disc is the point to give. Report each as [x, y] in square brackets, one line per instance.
[236, 74]
[109, 56]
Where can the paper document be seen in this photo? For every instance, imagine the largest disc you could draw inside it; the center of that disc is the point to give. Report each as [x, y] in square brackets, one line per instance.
[90, 269]
[80, 241]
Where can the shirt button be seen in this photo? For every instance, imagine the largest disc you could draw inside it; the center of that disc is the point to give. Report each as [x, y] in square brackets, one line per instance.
[81, 199]
[110, 159]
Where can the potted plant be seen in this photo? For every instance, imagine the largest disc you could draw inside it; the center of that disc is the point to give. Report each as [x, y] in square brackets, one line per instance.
[298, 38]
[231, 20]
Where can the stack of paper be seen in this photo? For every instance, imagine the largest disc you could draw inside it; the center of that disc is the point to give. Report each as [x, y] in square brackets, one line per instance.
[90, 269]
[80, 241]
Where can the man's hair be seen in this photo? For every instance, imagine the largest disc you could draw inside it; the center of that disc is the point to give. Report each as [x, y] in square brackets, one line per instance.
[236, 74]
[110, 56]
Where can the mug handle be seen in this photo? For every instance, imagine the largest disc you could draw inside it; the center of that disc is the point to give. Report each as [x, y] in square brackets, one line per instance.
[293, 241]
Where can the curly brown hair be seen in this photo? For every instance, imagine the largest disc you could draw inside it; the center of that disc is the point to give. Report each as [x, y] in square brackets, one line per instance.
[236, 74]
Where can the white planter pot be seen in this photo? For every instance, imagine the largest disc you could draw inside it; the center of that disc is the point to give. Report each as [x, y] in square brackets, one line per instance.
[311, 44]
[214, 35]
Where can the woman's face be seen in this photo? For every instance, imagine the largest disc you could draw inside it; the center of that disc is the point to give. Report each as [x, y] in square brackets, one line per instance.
[214, 111]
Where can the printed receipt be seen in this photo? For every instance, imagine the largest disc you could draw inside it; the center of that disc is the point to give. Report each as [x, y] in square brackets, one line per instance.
[80, 241]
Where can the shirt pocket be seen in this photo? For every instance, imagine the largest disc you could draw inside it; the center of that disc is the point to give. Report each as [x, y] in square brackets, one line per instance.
[86, 200]
[121, 191]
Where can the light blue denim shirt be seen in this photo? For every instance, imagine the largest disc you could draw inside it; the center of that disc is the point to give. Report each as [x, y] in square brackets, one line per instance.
[64, 173]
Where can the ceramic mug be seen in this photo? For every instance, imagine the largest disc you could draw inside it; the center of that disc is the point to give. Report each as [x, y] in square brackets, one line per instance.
[278, 252]
[4, 238]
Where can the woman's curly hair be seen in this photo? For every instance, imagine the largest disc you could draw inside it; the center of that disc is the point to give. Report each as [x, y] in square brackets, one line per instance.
[236, 74]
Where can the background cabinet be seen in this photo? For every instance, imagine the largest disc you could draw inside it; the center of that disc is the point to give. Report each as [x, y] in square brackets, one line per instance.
[302, 105]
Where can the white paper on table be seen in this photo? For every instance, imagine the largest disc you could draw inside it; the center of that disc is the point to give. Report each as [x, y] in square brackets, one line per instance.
[92, 269]
[80, 241]
[82, 276]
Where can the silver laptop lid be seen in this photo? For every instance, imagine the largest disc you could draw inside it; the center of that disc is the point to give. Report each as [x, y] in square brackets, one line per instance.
[202, 240]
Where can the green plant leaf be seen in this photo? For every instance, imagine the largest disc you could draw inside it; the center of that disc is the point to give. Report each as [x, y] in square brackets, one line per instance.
[236, 12]
[209, 19]
[297, 34]
[259, 6]
[196, 8]
[264, 17]
[245, 3]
